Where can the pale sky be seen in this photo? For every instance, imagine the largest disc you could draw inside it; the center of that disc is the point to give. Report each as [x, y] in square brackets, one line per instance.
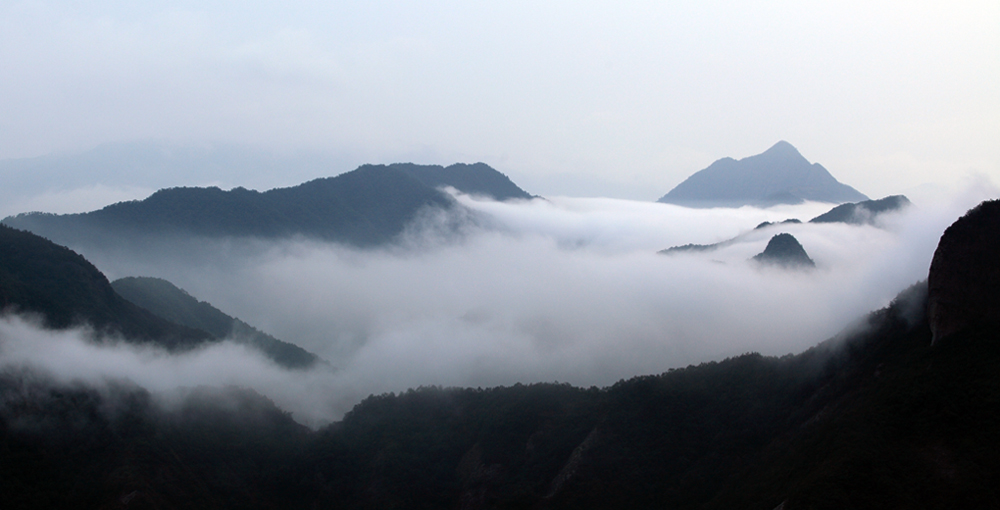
[618, 99]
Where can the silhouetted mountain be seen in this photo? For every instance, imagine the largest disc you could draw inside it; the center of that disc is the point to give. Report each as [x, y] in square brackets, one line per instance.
[476, 179]
[965, 275]
[40, 277]
[779, 175]
[876, 417]
[365, 207]
[861, 213]
[174, 304]
[784, 250]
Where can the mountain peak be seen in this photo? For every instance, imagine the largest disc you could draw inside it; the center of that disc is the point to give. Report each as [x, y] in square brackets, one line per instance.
[784, 250]
[783, 148]
[779, 175]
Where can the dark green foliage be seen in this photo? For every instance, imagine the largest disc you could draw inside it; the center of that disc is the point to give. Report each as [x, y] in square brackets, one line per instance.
[862, 212]
[784, 250]
[174, 304]
[40, 277]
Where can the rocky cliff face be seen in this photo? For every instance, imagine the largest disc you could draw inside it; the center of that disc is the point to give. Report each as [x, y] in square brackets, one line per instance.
[964, 278]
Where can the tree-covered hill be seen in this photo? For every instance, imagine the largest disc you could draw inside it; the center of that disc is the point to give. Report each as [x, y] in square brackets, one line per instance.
[64, 289]
[174, 304]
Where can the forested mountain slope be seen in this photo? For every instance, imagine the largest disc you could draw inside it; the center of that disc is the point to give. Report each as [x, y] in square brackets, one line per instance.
[64, 289]
[174, 304]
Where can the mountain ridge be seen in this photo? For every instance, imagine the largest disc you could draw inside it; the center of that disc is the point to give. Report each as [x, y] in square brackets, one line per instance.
[38, 276]
[369, 206]
[172, 303]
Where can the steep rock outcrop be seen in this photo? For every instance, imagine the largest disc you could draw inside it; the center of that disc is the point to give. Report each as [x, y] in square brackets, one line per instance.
[964, 278]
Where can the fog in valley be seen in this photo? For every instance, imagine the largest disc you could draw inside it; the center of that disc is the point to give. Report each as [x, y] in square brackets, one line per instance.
[560, 289]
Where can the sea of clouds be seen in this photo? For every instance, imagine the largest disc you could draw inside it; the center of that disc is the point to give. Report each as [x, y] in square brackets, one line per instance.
[559, 289]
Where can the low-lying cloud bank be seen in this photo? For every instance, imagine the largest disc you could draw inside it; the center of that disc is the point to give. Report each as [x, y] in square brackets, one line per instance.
[566, 289]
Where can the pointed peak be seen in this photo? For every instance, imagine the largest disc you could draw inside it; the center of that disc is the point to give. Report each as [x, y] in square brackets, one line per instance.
[782, 147]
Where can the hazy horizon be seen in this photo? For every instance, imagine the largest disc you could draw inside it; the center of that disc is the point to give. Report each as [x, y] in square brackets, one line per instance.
[568, 99]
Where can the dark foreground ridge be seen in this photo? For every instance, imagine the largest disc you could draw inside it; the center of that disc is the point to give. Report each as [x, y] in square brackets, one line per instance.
[877, 417]
[965, 274]
[369, 206]
[779, 175]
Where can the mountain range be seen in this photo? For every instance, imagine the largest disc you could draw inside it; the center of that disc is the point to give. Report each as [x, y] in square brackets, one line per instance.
[900, 411]
[779, 175]
[369, 206]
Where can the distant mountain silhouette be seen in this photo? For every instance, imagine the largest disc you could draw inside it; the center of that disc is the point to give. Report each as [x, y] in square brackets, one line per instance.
[41, 277]
[784, 250]
[368, 206]
[174, 304]
[861, 213]
[780, 175]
